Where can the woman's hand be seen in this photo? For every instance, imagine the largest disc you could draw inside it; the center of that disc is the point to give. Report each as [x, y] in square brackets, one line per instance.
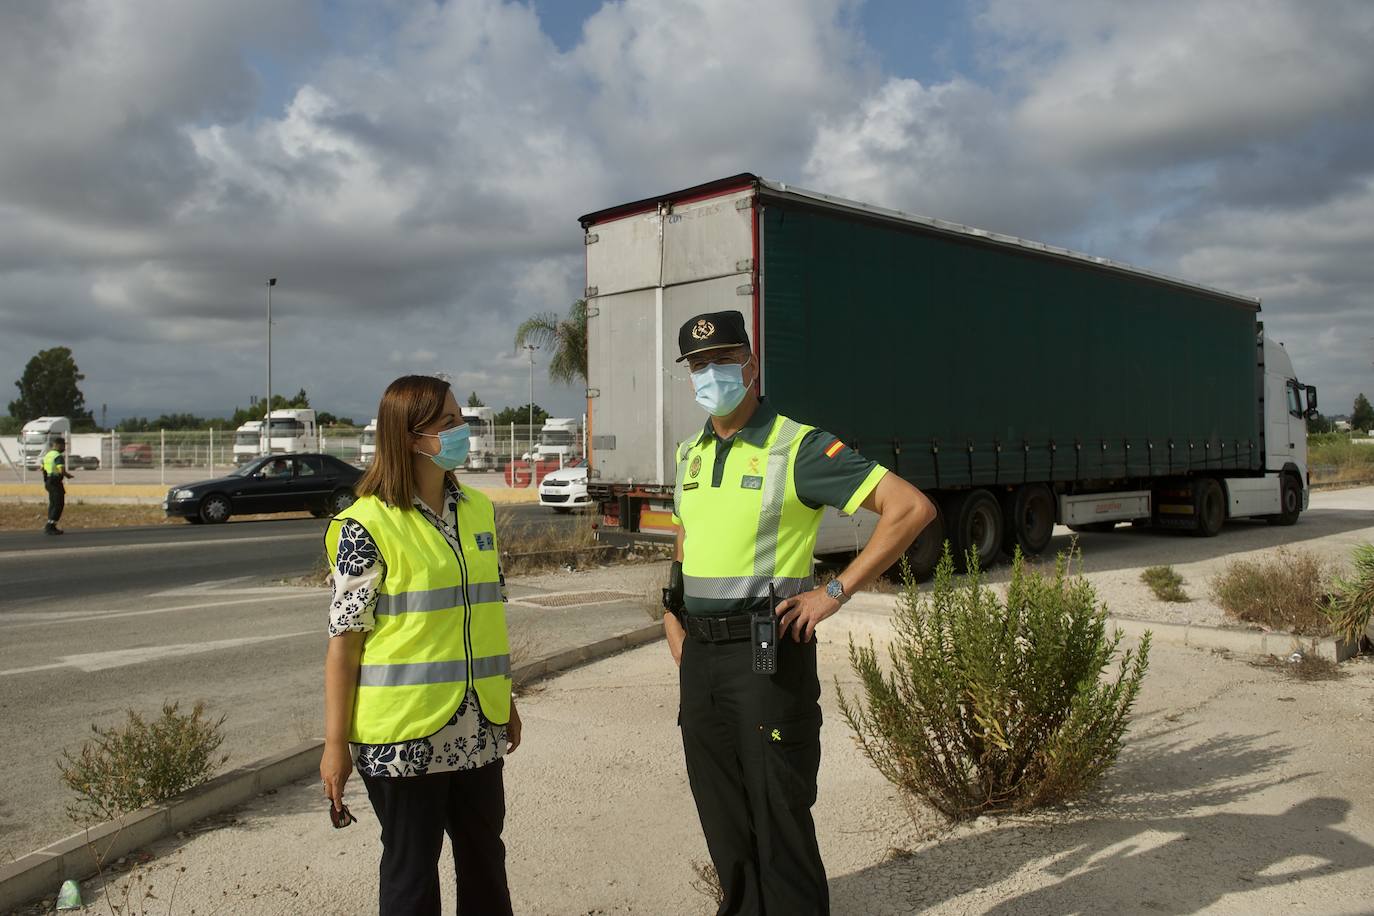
[336, 765]
[513, 729]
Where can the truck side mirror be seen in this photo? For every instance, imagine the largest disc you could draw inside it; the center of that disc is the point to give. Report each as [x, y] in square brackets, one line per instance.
[1311, 401]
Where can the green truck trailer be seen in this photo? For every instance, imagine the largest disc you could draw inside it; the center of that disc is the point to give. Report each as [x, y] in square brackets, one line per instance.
[1019, 384]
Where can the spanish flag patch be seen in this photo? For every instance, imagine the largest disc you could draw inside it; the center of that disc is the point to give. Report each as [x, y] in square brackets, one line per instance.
[834, 449]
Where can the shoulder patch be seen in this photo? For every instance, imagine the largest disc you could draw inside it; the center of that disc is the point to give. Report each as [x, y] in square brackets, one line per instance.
[695, 467]
[835, 448]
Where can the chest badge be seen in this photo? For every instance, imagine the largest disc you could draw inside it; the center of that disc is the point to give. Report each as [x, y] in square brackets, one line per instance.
[485, 540]
[754, 465]
[750, 482]
[695, 468]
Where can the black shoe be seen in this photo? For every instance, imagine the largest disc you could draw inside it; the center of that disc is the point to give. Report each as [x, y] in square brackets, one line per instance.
[50, 529]
[57, 530]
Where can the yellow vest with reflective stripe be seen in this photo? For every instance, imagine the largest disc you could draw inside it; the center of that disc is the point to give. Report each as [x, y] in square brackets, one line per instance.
[440, 621]
[50, 462]
[751, 530]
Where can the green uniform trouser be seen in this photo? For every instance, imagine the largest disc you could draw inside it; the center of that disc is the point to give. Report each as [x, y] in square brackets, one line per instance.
[57, 501]
[753, 750]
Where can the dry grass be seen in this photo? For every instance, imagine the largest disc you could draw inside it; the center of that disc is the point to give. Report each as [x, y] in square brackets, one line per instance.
[1165, 582]
[707, 882]
[1352, 606]
[32, 516]
[1307, 666]
[1284, 591]
[530, 547]
[1335, 459]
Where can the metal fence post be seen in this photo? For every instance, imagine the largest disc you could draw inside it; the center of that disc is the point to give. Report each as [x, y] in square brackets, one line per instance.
[114, 454]
[162, 456]
[212, 451]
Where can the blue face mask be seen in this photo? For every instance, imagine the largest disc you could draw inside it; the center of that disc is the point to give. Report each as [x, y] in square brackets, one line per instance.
[453, 447]
[720, 388]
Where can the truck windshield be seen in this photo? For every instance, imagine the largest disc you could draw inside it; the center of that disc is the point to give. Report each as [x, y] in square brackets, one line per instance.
[35, 438]
[247, 438]
[369, 437]
[287, 427]
[556, 437]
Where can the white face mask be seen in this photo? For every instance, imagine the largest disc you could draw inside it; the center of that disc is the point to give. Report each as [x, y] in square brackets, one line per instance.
[720, 387]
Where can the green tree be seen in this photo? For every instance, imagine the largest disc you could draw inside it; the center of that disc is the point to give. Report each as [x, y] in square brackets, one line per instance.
[475, 401]
[49, 388]
[279, 402]
[1361, 418]
[10, 426]
[566, 339]
[520, 416]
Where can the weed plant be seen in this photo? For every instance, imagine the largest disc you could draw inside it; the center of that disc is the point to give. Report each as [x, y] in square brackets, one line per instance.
[992, 706]
[125, 768]
[1285, 590]
[1165, 582]
[1352, 604]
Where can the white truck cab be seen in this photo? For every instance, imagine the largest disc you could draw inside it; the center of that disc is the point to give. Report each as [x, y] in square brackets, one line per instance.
[367, 443]
[37, 437]
[482, 448]
[248, 442]
[292, 430]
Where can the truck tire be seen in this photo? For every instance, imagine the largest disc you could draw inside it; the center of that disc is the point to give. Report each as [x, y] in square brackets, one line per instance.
[1290, 502]
[975, 522]
[925, 552]
[1209, 507]
[1028, 520]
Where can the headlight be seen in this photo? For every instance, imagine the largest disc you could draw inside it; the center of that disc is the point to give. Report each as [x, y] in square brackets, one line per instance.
[183, 494]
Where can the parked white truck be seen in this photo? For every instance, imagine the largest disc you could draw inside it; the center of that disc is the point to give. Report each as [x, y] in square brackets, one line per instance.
[293, 429]
[367, 444]
[37, 437]
[559, 438]
[1020, 385]
[248, 442]
[482, 455]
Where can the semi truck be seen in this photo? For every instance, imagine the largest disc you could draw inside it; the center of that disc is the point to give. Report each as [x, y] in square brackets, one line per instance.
[482, 445]
[248, 442]
[1018, 384]
[367, 444]
[292, 429]
[37, 436]
[559, 440]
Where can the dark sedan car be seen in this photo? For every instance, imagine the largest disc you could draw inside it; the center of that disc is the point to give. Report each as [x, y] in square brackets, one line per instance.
[321, 484]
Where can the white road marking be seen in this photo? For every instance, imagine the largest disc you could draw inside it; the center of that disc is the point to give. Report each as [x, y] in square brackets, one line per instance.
[115, 615]
[120, 658]
[157, 545]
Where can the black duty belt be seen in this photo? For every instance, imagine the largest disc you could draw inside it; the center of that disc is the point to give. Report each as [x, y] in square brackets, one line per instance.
[718, 629]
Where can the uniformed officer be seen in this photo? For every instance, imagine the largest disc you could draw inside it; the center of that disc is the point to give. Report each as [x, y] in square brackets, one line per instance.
[54, 477]
[750, 492]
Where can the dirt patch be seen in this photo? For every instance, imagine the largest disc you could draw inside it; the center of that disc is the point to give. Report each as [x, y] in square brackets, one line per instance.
[32, 516]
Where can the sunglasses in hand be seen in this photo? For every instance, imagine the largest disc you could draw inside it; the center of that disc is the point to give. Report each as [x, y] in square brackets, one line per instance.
[341, 817]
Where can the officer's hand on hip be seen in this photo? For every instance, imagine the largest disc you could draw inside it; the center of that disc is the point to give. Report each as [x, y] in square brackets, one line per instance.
[514, 729]
[676, 635]
[805, 611]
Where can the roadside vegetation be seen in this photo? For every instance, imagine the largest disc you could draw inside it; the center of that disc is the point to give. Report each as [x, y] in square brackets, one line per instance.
[1285, 590]
[1336, 458]
[1351, 607]
[127, 767]
[987, 706]
[1165, 582]
[31, 516]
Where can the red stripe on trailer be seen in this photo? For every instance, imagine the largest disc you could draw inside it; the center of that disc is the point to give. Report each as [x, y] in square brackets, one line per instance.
[686, 195]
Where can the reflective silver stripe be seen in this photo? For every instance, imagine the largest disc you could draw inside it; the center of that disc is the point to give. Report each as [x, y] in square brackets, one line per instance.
[683, 450]
[774, 490]
[421, 673]
[739, 588]
[438, 599]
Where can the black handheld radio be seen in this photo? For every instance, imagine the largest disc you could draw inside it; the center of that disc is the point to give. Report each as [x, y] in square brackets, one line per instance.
[763, 631]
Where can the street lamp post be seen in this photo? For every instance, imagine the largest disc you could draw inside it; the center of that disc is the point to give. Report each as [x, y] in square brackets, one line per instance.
[531, 348]
[267, 414]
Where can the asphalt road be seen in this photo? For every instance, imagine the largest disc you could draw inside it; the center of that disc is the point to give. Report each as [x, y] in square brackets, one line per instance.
[100, 621]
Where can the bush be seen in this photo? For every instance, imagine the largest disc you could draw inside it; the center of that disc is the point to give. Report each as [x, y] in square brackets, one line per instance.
[1352, 605]
[990, 706]
[126, 768]
[1165, 582]
[1285, 591]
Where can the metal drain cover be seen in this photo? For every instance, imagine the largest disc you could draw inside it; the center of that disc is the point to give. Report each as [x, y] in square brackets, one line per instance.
[568, 599]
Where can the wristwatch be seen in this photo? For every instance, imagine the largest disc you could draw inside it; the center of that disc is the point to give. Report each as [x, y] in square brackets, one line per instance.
[835, 589]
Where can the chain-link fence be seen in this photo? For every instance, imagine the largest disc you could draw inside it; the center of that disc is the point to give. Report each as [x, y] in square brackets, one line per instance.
[180, 456]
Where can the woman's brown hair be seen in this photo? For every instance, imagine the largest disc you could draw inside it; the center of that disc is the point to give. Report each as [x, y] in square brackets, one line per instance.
[411, 402]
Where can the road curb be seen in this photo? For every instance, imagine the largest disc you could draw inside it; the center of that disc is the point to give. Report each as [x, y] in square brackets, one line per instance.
[868, 616]
[80, 856]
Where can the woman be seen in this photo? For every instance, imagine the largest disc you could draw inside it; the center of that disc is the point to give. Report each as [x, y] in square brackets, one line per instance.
[417, 673]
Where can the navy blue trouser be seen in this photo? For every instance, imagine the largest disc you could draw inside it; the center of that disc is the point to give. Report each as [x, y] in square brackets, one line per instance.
[753, 750]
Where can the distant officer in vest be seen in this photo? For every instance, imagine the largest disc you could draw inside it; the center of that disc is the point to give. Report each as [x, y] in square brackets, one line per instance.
[54, 481]
[417, 673]
[750, 492]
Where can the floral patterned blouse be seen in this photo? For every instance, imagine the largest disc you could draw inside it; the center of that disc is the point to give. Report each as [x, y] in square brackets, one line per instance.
[468, 740]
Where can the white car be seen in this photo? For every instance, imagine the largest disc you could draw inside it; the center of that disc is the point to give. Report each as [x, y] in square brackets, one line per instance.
[565, 490]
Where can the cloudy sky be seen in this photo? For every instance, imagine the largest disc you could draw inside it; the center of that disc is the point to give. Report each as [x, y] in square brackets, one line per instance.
[412, 171]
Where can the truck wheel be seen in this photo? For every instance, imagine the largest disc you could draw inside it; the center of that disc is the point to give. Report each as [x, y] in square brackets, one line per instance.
[1290, 502]
[925, 552]
[1028, 520]
[976, 527]
[1209, 505]
[214, 510]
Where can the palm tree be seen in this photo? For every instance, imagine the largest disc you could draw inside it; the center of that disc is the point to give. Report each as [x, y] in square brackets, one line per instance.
[567, 338]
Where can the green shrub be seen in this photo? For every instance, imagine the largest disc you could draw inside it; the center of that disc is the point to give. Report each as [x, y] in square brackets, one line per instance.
[1352, 605]
[1283, 591]
[128, 767]
[993, 706]
[1165, 582]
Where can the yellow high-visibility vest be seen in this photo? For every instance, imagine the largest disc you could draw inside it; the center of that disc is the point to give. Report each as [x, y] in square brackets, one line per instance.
[751, 530]
[50, 462]
[440, 621]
